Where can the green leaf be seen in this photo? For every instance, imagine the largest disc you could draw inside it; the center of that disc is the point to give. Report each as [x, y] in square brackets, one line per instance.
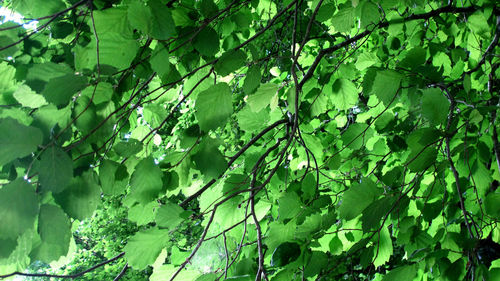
[289, 205]
[214, 106]
[81, 198]
[373, 214]
[343, 20]
[423, 153]
[279, 233]
[235, 182]
[311, 225]
[208, 8]
[386, 85]
[401, 273]
[250, 121]
[252, 79]
[435, 106]
[163, 26]
[17, 140]
[492, 205]
[207, 277]
[169, 216]
[366, 60]
[207, 42]
[414, 58]
[230, 61]
[318, 261]
[86, 112]
[160, 60]
[369, 14]
[113, 177]
[100, 93]
[383, 247]
[28, 98]
[139, 16]
[142, 214]
[35, 9]
[8, 246]
[11, 51]
[55, 169]
[262, 97]
[128, 148]
[209, 160]
[54, 229]
[18, 209]
[325, 12]
[357, 198]
[117, 45]
[144, 247]
[146, 181]
[354, 137]
[285, 253]
[60, 90]
[345, 94]
[478, 23]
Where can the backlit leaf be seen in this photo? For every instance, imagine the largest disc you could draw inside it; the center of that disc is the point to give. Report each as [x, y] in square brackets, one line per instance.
[262, 97]
[143, 248]
[214, 106]
[345, 94]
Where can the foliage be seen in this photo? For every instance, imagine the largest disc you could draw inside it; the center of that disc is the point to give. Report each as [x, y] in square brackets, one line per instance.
[250, 140]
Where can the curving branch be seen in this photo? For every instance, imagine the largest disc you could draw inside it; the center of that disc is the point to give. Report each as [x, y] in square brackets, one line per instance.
[71, 276]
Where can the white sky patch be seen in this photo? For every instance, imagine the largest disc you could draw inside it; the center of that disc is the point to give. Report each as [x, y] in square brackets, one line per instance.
[10, 15]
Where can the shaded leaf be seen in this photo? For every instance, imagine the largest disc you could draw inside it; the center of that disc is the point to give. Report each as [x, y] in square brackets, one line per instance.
[386, 85]
[357, 198]
[207, 42]
[17, 140]
[285, 254]
[230, 61]
[209, 160]
[401, 273]
[146, 181]
[60, 90]
[55, 169]
[54, 229]
[435, 106]
[18, 209]
[113, 177]
[81, 198]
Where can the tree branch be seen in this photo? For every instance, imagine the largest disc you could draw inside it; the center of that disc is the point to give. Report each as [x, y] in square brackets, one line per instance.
[72, 276]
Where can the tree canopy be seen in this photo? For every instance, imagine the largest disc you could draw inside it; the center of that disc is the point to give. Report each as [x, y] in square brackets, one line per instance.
[250, 140]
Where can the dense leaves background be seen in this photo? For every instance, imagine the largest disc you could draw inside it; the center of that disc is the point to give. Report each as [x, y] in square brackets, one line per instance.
[250, 140]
